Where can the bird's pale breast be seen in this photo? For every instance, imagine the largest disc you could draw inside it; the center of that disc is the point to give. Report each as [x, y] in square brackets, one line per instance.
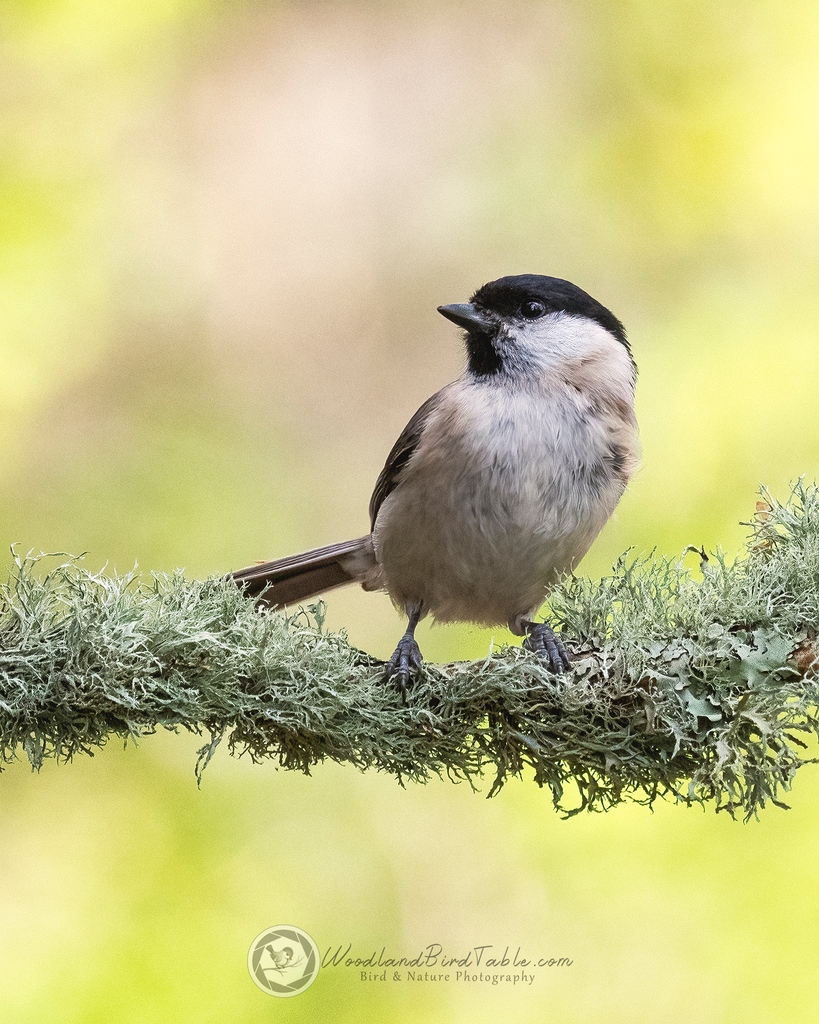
[506, 491]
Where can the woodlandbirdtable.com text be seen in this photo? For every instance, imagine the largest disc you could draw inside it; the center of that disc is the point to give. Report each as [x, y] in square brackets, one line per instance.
[486, 964]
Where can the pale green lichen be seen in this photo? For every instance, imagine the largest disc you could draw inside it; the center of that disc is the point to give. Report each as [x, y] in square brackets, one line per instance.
[698, 685]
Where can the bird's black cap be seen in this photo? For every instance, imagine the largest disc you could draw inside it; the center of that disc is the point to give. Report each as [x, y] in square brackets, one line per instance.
[507, 295]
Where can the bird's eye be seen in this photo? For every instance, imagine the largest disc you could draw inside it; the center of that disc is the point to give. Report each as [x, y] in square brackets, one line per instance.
[532, 310]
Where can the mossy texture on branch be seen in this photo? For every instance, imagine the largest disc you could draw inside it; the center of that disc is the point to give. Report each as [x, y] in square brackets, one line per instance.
[693, 683]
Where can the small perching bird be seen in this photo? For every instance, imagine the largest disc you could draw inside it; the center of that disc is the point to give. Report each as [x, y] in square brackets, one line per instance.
[500, 482]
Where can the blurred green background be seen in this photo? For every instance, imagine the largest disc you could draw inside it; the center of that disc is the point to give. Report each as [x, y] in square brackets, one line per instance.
[225, 230]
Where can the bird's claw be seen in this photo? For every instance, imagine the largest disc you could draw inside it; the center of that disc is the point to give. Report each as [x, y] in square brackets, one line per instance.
[406, 661]
[543, 641]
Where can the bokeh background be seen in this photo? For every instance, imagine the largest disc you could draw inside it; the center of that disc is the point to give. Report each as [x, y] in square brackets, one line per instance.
[225, 230]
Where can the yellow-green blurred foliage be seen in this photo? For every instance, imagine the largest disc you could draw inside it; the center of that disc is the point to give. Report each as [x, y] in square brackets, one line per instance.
[225, 229]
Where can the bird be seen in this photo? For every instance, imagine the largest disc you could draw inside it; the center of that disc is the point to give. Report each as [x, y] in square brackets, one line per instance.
[501, 481]
[282, 957]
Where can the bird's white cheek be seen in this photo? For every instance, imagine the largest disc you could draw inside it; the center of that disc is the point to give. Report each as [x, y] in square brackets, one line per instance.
[531, 348]
[559, 340]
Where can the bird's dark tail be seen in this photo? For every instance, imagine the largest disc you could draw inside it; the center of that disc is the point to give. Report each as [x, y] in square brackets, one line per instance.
[294, 579]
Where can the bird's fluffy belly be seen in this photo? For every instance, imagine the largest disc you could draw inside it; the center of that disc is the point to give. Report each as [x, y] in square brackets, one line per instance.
[462, 571]
[483, 542]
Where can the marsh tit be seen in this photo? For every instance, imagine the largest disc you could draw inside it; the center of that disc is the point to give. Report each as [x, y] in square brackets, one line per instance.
[500, 482]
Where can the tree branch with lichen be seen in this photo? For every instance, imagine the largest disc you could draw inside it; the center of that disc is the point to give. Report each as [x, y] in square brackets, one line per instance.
[698, 685]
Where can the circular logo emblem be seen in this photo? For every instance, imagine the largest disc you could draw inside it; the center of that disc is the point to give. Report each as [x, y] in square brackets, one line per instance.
[283, 960]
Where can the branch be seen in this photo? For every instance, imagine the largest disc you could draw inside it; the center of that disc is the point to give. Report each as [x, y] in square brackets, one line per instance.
[699, 686]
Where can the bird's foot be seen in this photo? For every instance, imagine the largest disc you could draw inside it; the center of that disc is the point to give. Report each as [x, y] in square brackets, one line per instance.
[406, 661]
[543, 641]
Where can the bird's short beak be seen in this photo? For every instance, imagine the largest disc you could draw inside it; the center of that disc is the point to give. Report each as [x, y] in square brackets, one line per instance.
[465, 315]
